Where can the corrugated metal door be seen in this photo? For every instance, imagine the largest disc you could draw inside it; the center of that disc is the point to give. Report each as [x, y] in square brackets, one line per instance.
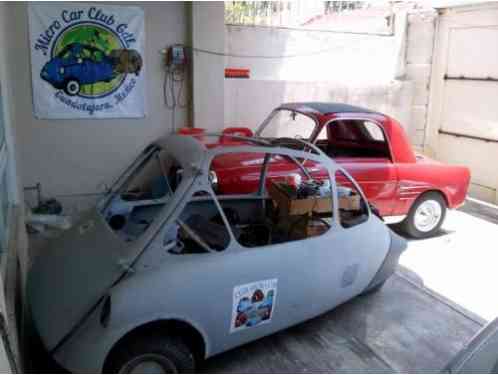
[463, 114]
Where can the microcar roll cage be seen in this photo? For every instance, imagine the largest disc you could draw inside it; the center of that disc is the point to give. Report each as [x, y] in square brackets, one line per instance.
[269, 142]
[192, 154]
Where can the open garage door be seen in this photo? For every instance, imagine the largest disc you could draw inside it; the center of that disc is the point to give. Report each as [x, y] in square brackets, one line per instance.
[463, 118]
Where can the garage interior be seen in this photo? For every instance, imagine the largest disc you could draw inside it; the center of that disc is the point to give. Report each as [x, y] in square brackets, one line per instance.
[418, 63]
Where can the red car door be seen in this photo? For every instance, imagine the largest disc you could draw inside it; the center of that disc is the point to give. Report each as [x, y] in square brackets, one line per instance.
[361, 147]
[377, 178]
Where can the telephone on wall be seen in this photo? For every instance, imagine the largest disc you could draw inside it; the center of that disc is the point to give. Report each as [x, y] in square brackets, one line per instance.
[176, 73]
[176, 56]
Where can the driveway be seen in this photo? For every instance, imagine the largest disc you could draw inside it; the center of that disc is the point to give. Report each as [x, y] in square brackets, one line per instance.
[462, 263]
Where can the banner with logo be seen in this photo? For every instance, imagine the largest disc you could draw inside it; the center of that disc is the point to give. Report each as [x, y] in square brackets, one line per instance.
[87, 60]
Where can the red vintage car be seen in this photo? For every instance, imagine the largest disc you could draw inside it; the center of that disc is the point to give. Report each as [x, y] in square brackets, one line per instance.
[406, 187]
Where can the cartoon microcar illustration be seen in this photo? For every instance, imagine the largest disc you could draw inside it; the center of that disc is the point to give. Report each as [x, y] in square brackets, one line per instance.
[79, 64]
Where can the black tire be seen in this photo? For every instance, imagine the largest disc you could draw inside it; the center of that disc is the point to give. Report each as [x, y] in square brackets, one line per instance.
[409, 226]
[373, 290]
[169, 353]
[72, 87]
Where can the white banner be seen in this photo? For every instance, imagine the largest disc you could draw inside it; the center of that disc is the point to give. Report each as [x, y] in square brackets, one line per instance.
[87, 60]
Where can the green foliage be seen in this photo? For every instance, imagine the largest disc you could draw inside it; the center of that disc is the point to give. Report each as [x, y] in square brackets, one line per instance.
[250, 12]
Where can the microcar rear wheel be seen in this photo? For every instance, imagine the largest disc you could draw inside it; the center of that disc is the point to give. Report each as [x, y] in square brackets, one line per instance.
[151, 355]
[426, 216]
[72, 87]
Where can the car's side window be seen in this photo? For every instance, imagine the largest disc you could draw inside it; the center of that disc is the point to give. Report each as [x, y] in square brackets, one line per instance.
[374, 131]
[352, 207]
[356, 138]
[323, 134]
[200, 228]
[98, 56]
[296, 202]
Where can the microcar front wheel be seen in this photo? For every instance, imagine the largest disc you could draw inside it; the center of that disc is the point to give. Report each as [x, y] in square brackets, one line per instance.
[72, 87]
[152, 355]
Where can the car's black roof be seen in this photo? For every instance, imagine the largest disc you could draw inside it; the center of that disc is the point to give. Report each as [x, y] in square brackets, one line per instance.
[326, 108]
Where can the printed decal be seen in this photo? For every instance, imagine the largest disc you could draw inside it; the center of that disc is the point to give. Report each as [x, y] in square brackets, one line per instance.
[253, 304]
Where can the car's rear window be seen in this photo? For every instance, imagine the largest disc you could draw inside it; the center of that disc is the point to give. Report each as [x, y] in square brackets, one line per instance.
[288, 124]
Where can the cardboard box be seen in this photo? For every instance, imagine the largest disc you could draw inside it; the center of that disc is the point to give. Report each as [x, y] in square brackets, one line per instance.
[293, 206]
[350, 203]
[307, 227]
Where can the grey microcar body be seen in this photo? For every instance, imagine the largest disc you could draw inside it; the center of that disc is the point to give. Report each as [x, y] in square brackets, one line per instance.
[92, 287]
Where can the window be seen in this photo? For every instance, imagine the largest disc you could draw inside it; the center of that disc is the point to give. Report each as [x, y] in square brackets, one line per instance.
[200, 228]
[98, 56]
[374, 131]
[141, 197]
[289, 124]
[236, 173]
[296, 202]
[323, 135]
[345, 130]
[157, 177]
[356, 138]
[352, 207]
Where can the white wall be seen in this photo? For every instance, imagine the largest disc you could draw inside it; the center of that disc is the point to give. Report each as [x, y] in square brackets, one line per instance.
[316, 55]
[385, 73]
[248, 102]
[419, 57]
[75, 156]
[208, 33]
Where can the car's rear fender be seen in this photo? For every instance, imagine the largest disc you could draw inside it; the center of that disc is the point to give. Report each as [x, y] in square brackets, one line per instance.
[451, 182]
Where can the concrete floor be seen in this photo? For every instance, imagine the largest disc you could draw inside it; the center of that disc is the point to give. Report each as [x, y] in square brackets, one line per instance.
[438, 299]
[402, 328]
[461, 263]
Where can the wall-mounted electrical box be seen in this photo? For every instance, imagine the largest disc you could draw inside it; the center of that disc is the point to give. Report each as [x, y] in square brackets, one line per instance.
[176, 55]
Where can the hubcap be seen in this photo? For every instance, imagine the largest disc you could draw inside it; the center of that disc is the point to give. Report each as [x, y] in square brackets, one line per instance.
[73, 87]
[428, 215]
[149, 364]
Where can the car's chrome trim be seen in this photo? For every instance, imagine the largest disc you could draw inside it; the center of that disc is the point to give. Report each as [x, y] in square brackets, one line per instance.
[414, 187]
[394, 219]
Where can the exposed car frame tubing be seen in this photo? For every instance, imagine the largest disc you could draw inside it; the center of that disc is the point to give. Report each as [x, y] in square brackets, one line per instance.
[474, 137]
[263, 141]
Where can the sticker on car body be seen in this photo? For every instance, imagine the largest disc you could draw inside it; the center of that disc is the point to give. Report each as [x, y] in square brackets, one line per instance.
[253, 304]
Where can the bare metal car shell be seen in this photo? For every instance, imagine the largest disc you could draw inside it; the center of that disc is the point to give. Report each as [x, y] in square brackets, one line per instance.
[88, 265]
